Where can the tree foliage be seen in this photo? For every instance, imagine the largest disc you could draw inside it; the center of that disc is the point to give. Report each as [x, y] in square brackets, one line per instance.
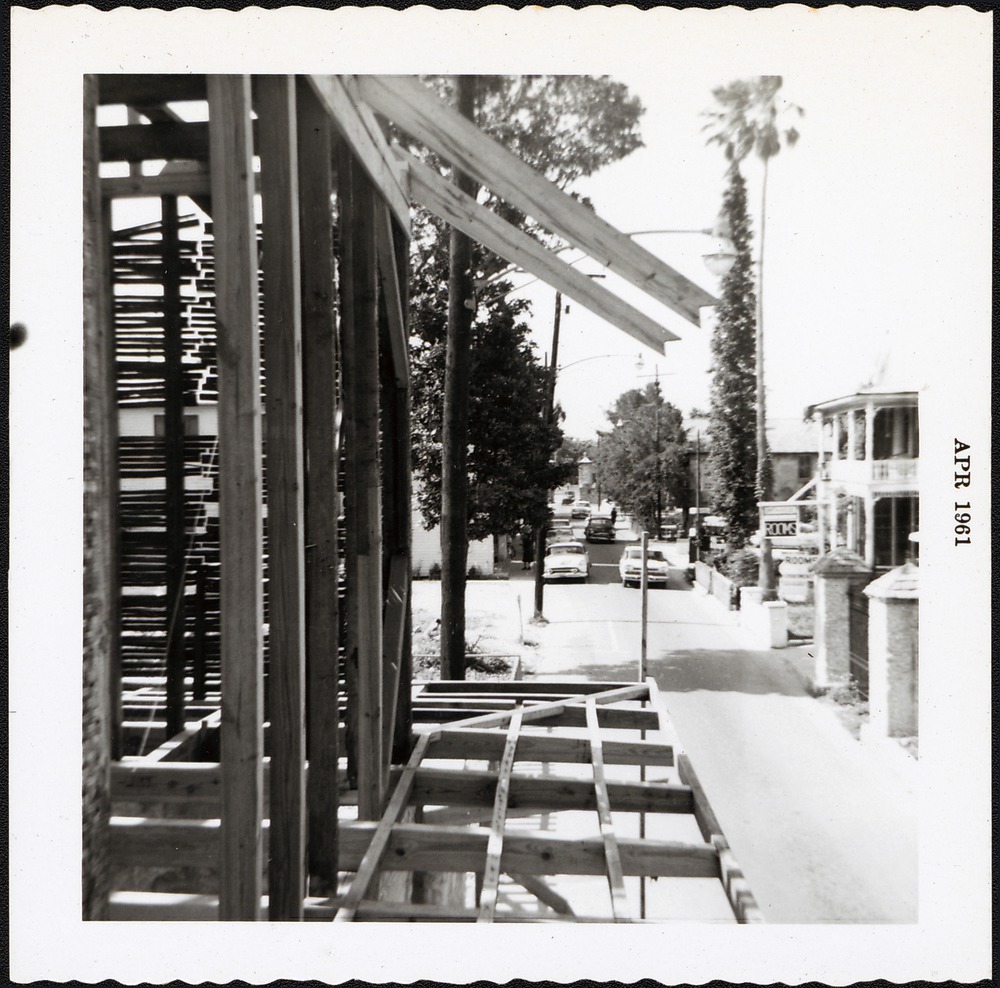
[751, 119]
[644, 454]
[565, 127]
[510, 450]
[732, 415]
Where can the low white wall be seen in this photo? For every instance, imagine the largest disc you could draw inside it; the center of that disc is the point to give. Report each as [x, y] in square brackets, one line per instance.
[767, 623]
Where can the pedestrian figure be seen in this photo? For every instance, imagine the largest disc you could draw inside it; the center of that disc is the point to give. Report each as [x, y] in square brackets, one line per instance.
[527, 548]
[614, 515]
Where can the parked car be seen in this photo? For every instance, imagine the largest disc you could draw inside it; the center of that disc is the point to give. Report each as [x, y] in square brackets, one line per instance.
[630, 566]
[600, 528]
[669, 531]
[566, 561]
[559, 533]
[580, 509]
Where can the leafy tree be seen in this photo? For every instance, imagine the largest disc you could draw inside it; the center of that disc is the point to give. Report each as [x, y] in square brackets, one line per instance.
[643, 458]
[511, 467]
[733, 450]
[566, 127]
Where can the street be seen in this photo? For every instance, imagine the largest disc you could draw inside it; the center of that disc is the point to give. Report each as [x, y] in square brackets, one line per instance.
[824, 827]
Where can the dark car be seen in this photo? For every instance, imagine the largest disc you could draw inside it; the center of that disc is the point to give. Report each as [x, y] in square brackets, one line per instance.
[599, 529]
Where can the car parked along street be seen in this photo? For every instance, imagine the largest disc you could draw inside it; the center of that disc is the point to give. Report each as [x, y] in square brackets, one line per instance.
[566, 561]
[630, 567]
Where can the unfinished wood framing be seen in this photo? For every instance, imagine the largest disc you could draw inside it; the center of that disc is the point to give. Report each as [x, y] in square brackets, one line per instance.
[322, 452]
[474, 771]
[240, 496]
[408, 103]
[275, 104]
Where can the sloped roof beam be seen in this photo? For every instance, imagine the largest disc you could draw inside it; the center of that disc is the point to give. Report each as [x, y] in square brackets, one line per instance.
[463, 212]
[410, 105]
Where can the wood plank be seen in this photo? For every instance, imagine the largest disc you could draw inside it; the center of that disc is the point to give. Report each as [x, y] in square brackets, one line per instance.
[173, 464]
[367, 142]
[185, 744]
[408, 103]
[463, 212]
[392, 295]
[363, 441]
[397, 598]
[151, 88]
[417, 847]
[240, 496]
[540, 711]
[494, 847]
[519, 687]
[153, 141]
[368, 866]
[703, 813]
[196, 182]
[321, 440]
[543, 892]
[488, 745]
[275, 106]
[167, 782]
[741, 898]
[570, 716]
[470, 787]
[616, 880]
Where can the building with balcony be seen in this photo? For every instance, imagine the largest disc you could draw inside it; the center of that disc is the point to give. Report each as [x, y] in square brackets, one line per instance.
[869, 448]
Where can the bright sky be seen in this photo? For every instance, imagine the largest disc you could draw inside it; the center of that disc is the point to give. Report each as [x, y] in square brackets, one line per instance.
[872, 219]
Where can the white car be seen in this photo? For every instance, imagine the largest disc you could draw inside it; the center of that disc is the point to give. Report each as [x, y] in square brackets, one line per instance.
[566, 561]
[580, 509]
[630, 566]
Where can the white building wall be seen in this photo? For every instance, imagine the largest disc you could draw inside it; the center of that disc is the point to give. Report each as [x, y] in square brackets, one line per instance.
[427, 548]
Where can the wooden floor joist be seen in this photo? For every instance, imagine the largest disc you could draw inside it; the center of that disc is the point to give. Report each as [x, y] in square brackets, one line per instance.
[494, 849]
[616, 880]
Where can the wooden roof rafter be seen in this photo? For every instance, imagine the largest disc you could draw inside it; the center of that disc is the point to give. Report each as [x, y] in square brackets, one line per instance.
[411, 106]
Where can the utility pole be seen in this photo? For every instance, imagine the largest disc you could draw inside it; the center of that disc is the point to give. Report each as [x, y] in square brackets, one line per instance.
[659, 463]
[539, 617]
[455, 430]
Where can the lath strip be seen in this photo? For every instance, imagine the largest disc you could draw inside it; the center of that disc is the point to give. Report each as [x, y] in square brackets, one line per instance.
[542, 710]
[494, 849]
[380, 840]
[616, 880]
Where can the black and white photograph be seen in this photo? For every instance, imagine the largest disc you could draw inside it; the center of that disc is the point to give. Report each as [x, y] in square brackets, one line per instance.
[525, 468]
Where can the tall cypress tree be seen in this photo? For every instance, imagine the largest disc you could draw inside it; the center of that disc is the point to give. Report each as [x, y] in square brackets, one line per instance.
[732, 415]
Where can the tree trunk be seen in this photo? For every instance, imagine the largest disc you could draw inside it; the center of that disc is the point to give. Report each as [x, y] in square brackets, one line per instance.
[765, 578]
[454, 472]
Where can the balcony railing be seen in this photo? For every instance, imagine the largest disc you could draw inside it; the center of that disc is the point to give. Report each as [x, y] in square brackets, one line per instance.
[896, 471]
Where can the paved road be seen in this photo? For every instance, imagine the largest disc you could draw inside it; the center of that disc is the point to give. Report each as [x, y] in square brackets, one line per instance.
[824, 827]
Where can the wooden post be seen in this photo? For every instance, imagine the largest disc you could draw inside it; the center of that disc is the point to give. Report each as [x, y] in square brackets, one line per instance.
[286, 549]
[240, 497]
[364, 507]
[644, 585]
[173, 454]
[403, 709]
[200, 632]
[319, 379]
[100, 566]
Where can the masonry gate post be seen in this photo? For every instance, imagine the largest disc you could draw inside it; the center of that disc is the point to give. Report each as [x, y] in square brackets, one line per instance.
[893, 652]
[835, 572]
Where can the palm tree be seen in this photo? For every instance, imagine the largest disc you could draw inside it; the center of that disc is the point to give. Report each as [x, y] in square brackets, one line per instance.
[751, 121]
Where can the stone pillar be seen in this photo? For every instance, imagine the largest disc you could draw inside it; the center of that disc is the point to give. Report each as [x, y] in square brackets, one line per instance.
[893, 652]
[834, 573]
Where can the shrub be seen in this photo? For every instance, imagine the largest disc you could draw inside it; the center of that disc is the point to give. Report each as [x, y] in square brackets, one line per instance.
[434, 573]
[739, 565]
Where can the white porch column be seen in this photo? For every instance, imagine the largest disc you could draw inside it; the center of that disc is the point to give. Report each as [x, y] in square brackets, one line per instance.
[851, 431]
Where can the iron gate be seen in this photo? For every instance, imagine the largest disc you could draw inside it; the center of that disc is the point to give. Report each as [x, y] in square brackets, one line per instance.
[858, 635]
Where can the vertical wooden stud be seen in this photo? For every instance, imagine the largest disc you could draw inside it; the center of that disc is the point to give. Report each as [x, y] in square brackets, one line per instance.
[364, 561]
[240, 497]
[100, 571]
[320, 387]
[173, 449]
[285, 525]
